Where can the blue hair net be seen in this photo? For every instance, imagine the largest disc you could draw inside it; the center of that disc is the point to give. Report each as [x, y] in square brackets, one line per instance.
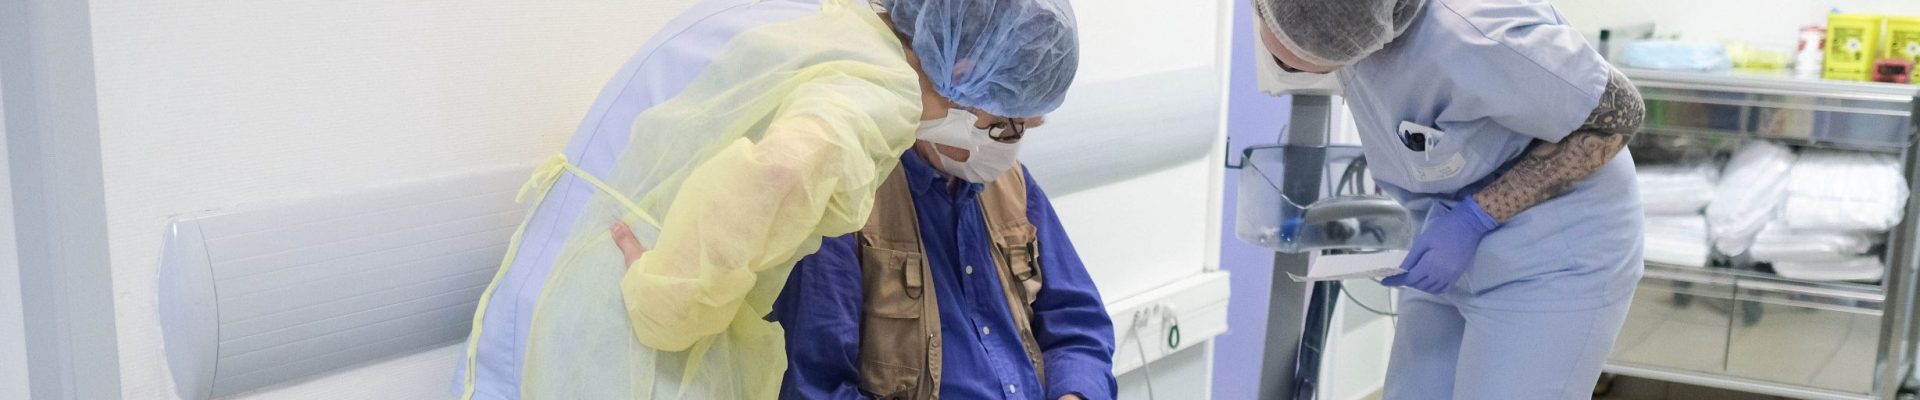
[1337, 32]
[1012, 58]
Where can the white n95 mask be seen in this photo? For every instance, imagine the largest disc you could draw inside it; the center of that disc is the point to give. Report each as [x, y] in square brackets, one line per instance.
[987, 158]
[986, 162]
[956, 130]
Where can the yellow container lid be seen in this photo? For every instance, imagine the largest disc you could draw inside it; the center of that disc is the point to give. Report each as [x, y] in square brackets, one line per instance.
[1855, 18]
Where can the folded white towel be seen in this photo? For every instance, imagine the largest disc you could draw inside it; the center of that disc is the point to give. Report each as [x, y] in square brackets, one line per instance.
[1748, 195]
[1776, 243]
[1677, 240]
[1844, 191]
[1857, 269]
[1676, 189]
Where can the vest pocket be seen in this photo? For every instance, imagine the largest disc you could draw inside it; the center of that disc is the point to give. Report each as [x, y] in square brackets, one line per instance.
[1020, 253]
[894, 281]
[893, 336]
[888, 381]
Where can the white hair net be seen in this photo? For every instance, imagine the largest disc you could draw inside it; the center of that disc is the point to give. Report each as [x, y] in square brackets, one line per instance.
[1336, 32]
[1012, 58]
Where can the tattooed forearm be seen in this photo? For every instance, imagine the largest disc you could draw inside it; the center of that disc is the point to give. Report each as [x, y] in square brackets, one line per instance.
[1548, 169]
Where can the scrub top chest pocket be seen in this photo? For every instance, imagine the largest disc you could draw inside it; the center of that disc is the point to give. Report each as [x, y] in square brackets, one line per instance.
[1431, 156]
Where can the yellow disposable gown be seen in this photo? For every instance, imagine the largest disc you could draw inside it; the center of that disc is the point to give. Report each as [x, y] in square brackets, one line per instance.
[780, 142]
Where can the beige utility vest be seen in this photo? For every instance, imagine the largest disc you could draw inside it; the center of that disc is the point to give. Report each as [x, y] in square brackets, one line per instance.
[900, 323]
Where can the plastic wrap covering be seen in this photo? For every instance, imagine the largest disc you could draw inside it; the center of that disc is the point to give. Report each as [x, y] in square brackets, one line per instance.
[1778, 244]
[1749, 194]
[1676, 189]
[782, 141]
[1678, 240]
[1844, 191]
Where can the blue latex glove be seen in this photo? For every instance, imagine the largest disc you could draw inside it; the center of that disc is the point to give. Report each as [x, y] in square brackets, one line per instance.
[1444, 249]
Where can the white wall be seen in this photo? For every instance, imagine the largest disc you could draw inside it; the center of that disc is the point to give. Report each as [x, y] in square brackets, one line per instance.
[1125, 38]
[13, 341]
[1152, 229]
[1775, 22]
[1181, 375]
[207, 104]
[1110, 224]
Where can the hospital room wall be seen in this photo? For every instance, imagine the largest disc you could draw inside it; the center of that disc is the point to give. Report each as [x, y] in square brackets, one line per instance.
[1147, 229]
[210, 104]
[13, 341]
[1761, 22]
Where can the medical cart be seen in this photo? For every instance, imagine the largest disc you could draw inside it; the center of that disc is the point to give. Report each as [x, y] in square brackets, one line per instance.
[1735, 326]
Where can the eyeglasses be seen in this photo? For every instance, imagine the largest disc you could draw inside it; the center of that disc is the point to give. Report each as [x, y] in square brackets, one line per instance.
[1008, 131]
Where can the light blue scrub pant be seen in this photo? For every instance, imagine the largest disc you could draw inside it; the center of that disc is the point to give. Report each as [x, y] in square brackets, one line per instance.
[1444, 349]
[1450, 350]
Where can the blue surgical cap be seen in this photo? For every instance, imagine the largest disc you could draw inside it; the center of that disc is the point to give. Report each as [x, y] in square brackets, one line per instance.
[1011, 58]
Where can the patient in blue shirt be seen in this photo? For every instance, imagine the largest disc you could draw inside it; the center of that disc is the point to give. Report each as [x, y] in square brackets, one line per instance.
[981, 353]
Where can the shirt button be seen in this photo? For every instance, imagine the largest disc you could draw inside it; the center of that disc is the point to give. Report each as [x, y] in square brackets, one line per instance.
[969, 270]
[1011, 389]
[986, 331]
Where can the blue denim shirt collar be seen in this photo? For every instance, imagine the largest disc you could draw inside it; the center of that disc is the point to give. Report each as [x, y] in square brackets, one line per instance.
[921, 175]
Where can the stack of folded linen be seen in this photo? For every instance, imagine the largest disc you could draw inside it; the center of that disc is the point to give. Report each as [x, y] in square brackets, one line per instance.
[1844, 191]
[1676, 189]
[1749, 195]
[1678, 240]
[1838, 206]
[1673, 196]
[1857, 269]
[1780, 244]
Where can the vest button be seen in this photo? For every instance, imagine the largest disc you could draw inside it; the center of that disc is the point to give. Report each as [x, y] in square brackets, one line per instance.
[969, 270]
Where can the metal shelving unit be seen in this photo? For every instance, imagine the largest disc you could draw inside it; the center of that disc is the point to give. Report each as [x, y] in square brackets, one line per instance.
[1757, 332]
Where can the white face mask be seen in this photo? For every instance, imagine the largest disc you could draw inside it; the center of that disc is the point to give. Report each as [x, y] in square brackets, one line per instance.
[1276, 81]
[987, 158]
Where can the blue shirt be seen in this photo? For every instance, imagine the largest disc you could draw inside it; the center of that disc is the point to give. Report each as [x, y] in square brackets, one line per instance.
[982, 357]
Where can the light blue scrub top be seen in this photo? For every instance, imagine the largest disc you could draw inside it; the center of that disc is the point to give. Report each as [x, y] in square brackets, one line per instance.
[1494, 75]
[675, 55]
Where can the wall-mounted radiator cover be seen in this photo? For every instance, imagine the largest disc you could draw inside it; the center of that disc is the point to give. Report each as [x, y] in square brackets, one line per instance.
[1135, 137]
[259, 296]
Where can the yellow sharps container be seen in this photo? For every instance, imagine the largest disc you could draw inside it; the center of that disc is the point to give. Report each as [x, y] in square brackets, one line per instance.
[1852, 40]
[1903, 42]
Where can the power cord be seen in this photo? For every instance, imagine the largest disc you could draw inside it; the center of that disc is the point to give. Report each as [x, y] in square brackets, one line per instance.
[1142, 320]
[1356, 301]
[1352, 179]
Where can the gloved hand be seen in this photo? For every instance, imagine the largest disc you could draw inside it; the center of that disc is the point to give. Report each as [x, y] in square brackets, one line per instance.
[1444, 249]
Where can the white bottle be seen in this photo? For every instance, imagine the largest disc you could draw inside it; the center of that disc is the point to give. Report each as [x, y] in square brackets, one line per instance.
[1810, 63]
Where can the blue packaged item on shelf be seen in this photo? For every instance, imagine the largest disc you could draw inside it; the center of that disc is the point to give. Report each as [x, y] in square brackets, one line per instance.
[1676, 56]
